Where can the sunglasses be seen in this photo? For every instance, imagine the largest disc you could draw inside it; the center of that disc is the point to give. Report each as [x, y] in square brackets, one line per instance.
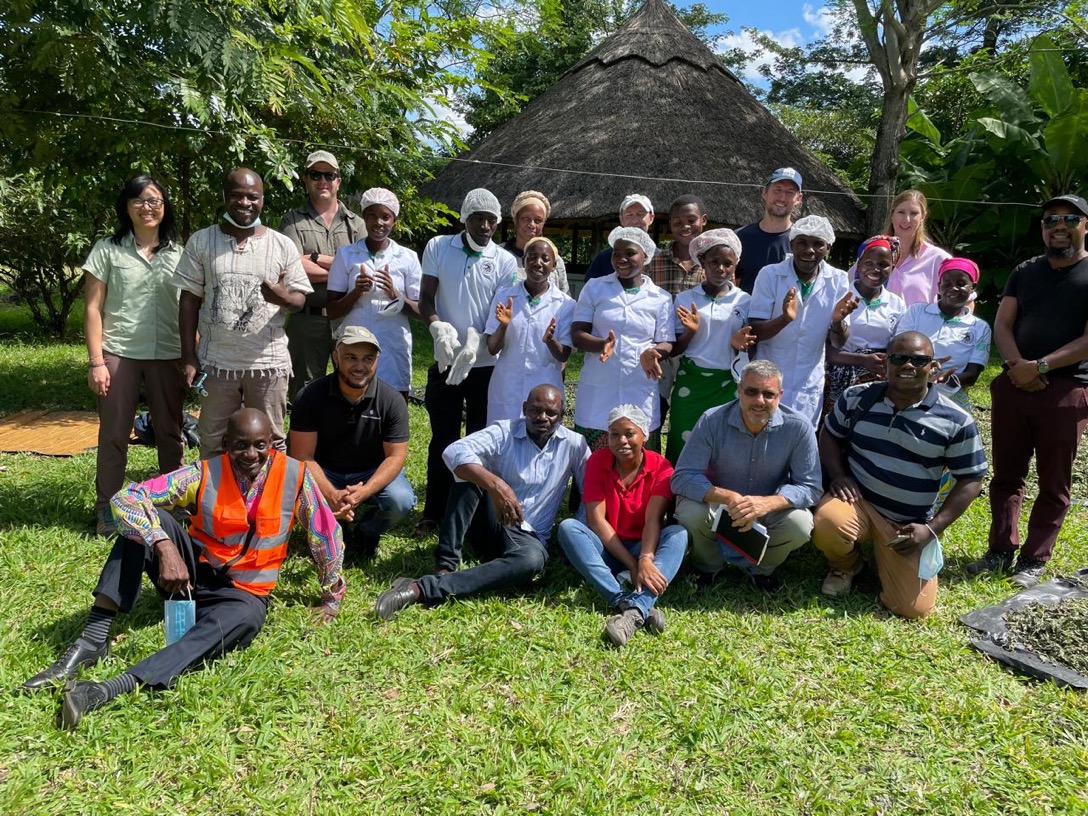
[916, 360]
[755, 392]
[317, 175]
[1071, 220]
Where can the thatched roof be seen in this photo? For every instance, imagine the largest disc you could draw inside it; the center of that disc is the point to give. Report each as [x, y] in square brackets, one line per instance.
[651, 101]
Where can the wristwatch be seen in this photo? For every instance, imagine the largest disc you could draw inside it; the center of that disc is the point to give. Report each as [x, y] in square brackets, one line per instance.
[313, 257]
[1043, 366]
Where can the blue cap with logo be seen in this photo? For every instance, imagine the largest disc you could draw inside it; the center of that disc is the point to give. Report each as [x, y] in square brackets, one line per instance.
[785, 174]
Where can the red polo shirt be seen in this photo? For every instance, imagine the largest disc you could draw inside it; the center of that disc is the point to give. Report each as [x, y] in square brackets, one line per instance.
[625, 507]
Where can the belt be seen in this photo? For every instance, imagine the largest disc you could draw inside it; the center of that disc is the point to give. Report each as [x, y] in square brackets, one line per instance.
[315, 310]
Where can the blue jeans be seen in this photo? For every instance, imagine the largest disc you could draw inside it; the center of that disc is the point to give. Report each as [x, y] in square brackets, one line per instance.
[382, 510]
[509, 556]
[599, 567]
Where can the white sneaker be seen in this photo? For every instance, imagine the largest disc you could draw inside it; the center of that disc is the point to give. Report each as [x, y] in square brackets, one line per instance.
[837, 582]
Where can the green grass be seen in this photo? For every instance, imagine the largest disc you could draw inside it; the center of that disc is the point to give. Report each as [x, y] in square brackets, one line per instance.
[511, 704]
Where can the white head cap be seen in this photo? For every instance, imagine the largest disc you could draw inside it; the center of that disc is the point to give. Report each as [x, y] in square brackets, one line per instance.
[706, 241]
[380, 195]
[480, 200]
[635, 235]
[633, 413]
[815, 226]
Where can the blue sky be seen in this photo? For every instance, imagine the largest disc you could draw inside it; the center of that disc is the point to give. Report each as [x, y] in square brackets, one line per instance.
[791, 22]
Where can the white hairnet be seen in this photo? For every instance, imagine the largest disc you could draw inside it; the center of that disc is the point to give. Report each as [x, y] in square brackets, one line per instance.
[480, 200]
[706, 241]
[815, 226]
[633, 413]
[379, 195]
[635, 236]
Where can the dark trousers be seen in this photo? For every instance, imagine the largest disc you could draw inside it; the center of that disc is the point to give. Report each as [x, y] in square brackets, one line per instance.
[226, 617]
[164, 389]
[1048, 423]
[515, 556]
[445, 405]
[309, 342]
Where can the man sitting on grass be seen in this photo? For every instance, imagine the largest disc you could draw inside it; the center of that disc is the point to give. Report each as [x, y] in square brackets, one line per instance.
[522, 466]
[244, 504]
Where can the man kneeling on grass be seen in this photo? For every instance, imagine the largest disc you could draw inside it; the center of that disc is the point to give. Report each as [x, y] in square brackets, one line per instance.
[520, 469]
[244, 505]
[884, 448]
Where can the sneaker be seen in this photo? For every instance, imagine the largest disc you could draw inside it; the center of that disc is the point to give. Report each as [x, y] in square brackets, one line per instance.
[1027, 572]
[992, 562]
[655, 621]
[770, 584]
[105, 523]
[619, 628]
[838, 582]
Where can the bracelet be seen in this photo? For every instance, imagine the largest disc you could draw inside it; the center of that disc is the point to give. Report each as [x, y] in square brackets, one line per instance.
[645, 555]
[97, 365]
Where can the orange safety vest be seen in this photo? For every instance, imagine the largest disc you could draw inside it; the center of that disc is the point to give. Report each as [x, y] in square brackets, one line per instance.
[248, 549]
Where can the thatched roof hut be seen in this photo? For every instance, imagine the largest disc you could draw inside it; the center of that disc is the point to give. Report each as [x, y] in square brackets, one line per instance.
[649, 104]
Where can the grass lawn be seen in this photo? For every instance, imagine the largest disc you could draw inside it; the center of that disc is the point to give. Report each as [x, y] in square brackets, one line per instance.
[745, 705]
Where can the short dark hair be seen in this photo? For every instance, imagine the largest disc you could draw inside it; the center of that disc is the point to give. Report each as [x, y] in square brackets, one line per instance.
[685, 200]
[168, 230]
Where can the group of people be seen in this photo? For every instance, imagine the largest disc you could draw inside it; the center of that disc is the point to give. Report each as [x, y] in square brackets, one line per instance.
[726, 333]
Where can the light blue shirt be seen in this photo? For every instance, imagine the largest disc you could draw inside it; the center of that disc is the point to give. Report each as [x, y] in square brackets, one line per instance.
[721, 452]
[538, 476]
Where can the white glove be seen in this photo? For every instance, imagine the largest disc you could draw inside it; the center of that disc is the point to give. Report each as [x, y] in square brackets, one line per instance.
[445, 344]
[465, 358]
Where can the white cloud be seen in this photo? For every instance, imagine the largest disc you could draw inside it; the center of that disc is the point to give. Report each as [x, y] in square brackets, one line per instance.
[821, 19]
[745, 41]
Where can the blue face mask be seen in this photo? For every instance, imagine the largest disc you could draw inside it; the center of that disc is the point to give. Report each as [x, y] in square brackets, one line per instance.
[178, 618]
[931, 560]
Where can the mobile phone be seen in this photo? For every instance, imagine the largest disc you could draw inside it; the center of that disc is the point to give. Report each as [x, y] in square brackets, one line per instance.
[899, 539]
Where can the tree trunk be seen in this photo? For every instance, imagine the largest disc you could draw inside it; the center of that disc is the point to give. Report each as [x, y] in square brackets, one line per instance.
[884, 166]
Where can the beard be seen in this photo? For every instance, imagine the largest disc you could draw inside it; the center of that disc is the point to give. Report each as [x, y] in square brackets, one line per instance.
[1061, 253]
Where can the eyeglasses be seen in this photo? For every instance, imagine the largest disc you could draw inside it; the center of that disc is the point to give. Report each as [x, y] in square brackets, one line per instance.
[1071, 220]
[145, 203]
[916, 360]
[317, 175]
[755, 392]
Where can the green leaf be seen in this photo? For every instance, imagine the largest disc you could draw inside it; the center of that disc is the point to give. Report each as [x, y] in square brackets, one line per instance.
[1065, 141]
[1005, 95]
[921, 124]
[1050, 84]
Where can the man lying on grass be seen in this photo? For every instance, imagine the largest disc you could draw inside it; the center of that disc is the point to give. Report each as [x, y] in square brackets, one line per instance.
[244, 504]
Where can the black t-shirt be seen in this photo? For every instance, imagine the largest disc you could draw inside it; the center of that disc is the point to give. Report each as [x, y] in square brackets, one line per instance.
[757, 250]
[1051, 310]
[350, 437]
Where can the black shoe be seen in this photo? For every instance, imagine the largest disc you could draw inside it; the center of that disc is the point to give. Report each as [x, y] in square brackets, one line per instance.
[403, 593]
[992, 562]
[1027, 572]
[79, 698]
[704, 580]
[769, 584]
[81, 653]
[359, 548]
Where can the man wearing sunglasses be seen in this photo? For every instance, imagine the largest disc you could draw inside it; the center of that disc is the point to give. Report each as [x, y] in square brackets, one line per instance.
[757, 459]
[884, 448]
[318, 227]
[1039, 400]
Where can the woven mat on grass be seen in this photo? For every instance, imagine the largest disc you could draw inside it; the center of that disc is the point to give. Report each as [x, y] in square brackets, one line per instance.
[52, 433]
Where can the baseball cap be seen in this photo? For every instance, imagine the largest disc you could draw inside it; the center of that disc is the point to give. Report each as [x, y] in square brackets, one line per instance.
[351, 335]
[322, 156]
[1072, 200]
[635, 198]
[784, 174]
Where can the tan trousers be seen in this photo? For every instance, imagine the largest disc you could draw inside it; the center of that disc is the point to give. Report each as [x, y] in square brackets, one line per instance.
[788, 529]
[840, 527]
[226, 394]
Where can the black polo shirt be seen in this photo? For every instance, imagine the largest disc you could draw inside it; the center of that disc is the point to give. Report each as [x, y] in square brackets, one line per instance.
[1051, 310]
[350, 438]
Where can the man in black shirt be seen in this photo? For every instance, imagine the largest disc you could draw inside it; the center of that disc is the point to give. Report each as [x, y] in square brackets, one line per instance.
[351, 429]
[768, 240]
[1039, 400]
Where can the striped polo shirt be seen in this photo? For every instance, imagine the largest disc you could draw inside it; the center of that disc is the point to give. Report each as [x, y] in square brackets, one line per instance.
[897, 456]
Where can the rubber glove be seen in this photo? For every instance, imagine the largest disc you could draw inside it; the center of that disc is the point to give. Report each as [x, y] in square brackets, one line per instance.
[462, 364]
[445, 344]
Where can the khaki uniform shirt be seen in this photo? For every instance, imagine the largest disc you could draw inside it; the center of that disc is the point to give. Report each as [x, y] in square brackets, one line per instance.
[306, 228]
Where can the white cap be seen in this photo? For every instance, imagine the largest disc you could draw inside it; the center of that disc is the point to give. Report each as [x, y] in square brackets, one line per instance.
[635, 198]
